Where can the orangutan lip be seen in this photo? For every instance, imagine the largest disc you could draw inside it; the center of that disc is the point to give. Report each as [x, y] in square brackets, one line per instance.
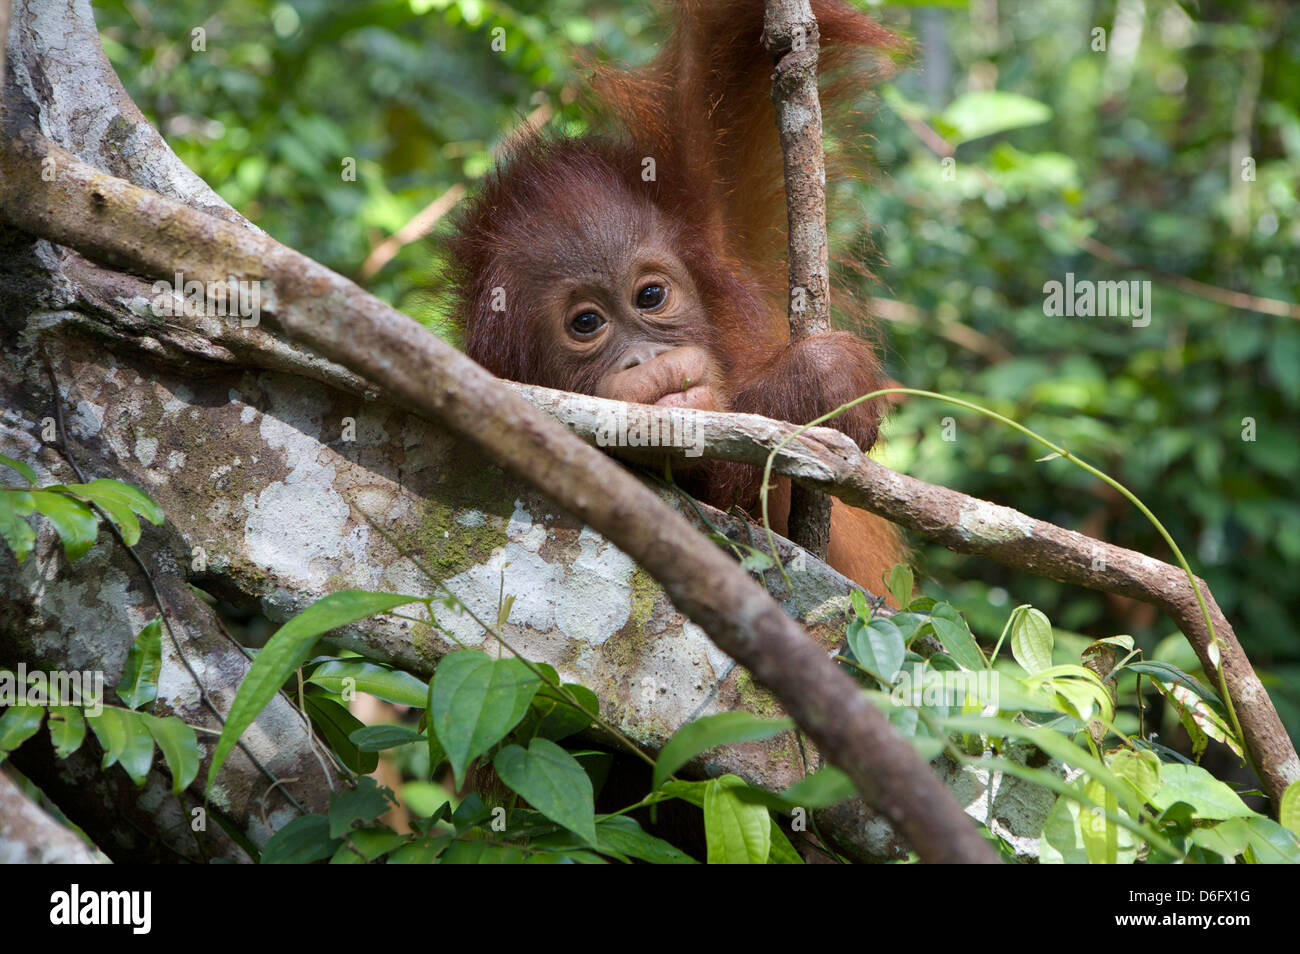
[687, 398]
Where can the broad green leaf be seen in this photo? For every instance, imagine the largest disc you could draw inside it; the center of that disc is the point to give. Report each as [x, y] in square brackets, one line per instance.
[364, 802]
[624, 836]
[552, 781]
[376, 738]
[859, 602]
[1192, 784]
[179, 746]
[725, 728]
[139, 683]
[121, 501]
[17, 725]
[287, 649]
[24, 470]
[367, 844]
[422, 851]
[899, 581]
[690, 792]
[1288, 814]
[67, 729]
[74, 521]
[125, 739]
[735, 831]
[475, 701]
[950, 628]
[781, 852]
[15, 531]
[975, 115]
[1141, 769]
[827, 786]
[1228, 838]
[1062, 839]
[400, 688]
[879, 646]
[1100, 838]
[1031, 640]
[1271, 843]
[302, 841]
[424, 798]
[480, 853]
[336, 725]
[554, 718]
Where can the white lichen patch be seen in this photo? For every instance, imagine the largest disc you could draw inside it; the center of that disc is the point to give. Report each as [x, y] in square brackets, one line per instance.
[528, 578]
[146, 449]
[981, 520]
[87, 419]
[470, 518]
[296, 526]
[594, 599]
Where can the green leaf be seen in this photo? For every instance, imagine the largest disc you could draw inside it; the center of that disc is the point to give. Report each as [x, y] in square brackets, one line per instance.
[336, 726]
[1201, 718]
[367, 844]
[139, 683]
[1288, 813]
[125, 739]
[302, 841]
[17, 532]
[1141, 769]
[287, 649]
[975, 115]
[1228, 838]
[552, 717]
[951, 629]
[553, 782]
[422, 851]
[781, 852]
[899, 581]
[24, 470]
[1100, 838]
[1192, 784]
[827, 786]
[121, 501]
[736, 832]
[1031, 640]
[400, 688]
[622, 835]
[376, 738]
[480, 853]
[1271, 843]
[179, 746]
[364, 802]
[17, 725]
[67, 730]
[74, 521]
[474, 701]
[860, 608]
[725, 728]
[879, 646]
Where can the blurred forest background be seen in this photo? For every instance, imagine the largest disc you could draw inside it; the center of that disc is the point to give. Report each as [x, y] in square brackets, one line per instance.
[1172, 155]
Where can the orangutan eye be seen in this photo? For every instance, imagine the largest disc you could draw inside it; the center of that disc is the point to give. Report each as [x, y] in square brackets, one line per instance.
[652, 296]
[586, 324]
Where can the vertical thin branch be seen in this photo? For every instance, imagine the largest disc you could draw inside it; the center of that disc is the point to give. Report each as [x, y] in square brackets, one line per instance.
[791, 37]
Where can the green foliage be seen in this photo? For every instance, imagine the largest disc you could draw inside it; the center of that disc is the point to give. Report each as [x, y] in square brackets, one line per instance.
[69, 510]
